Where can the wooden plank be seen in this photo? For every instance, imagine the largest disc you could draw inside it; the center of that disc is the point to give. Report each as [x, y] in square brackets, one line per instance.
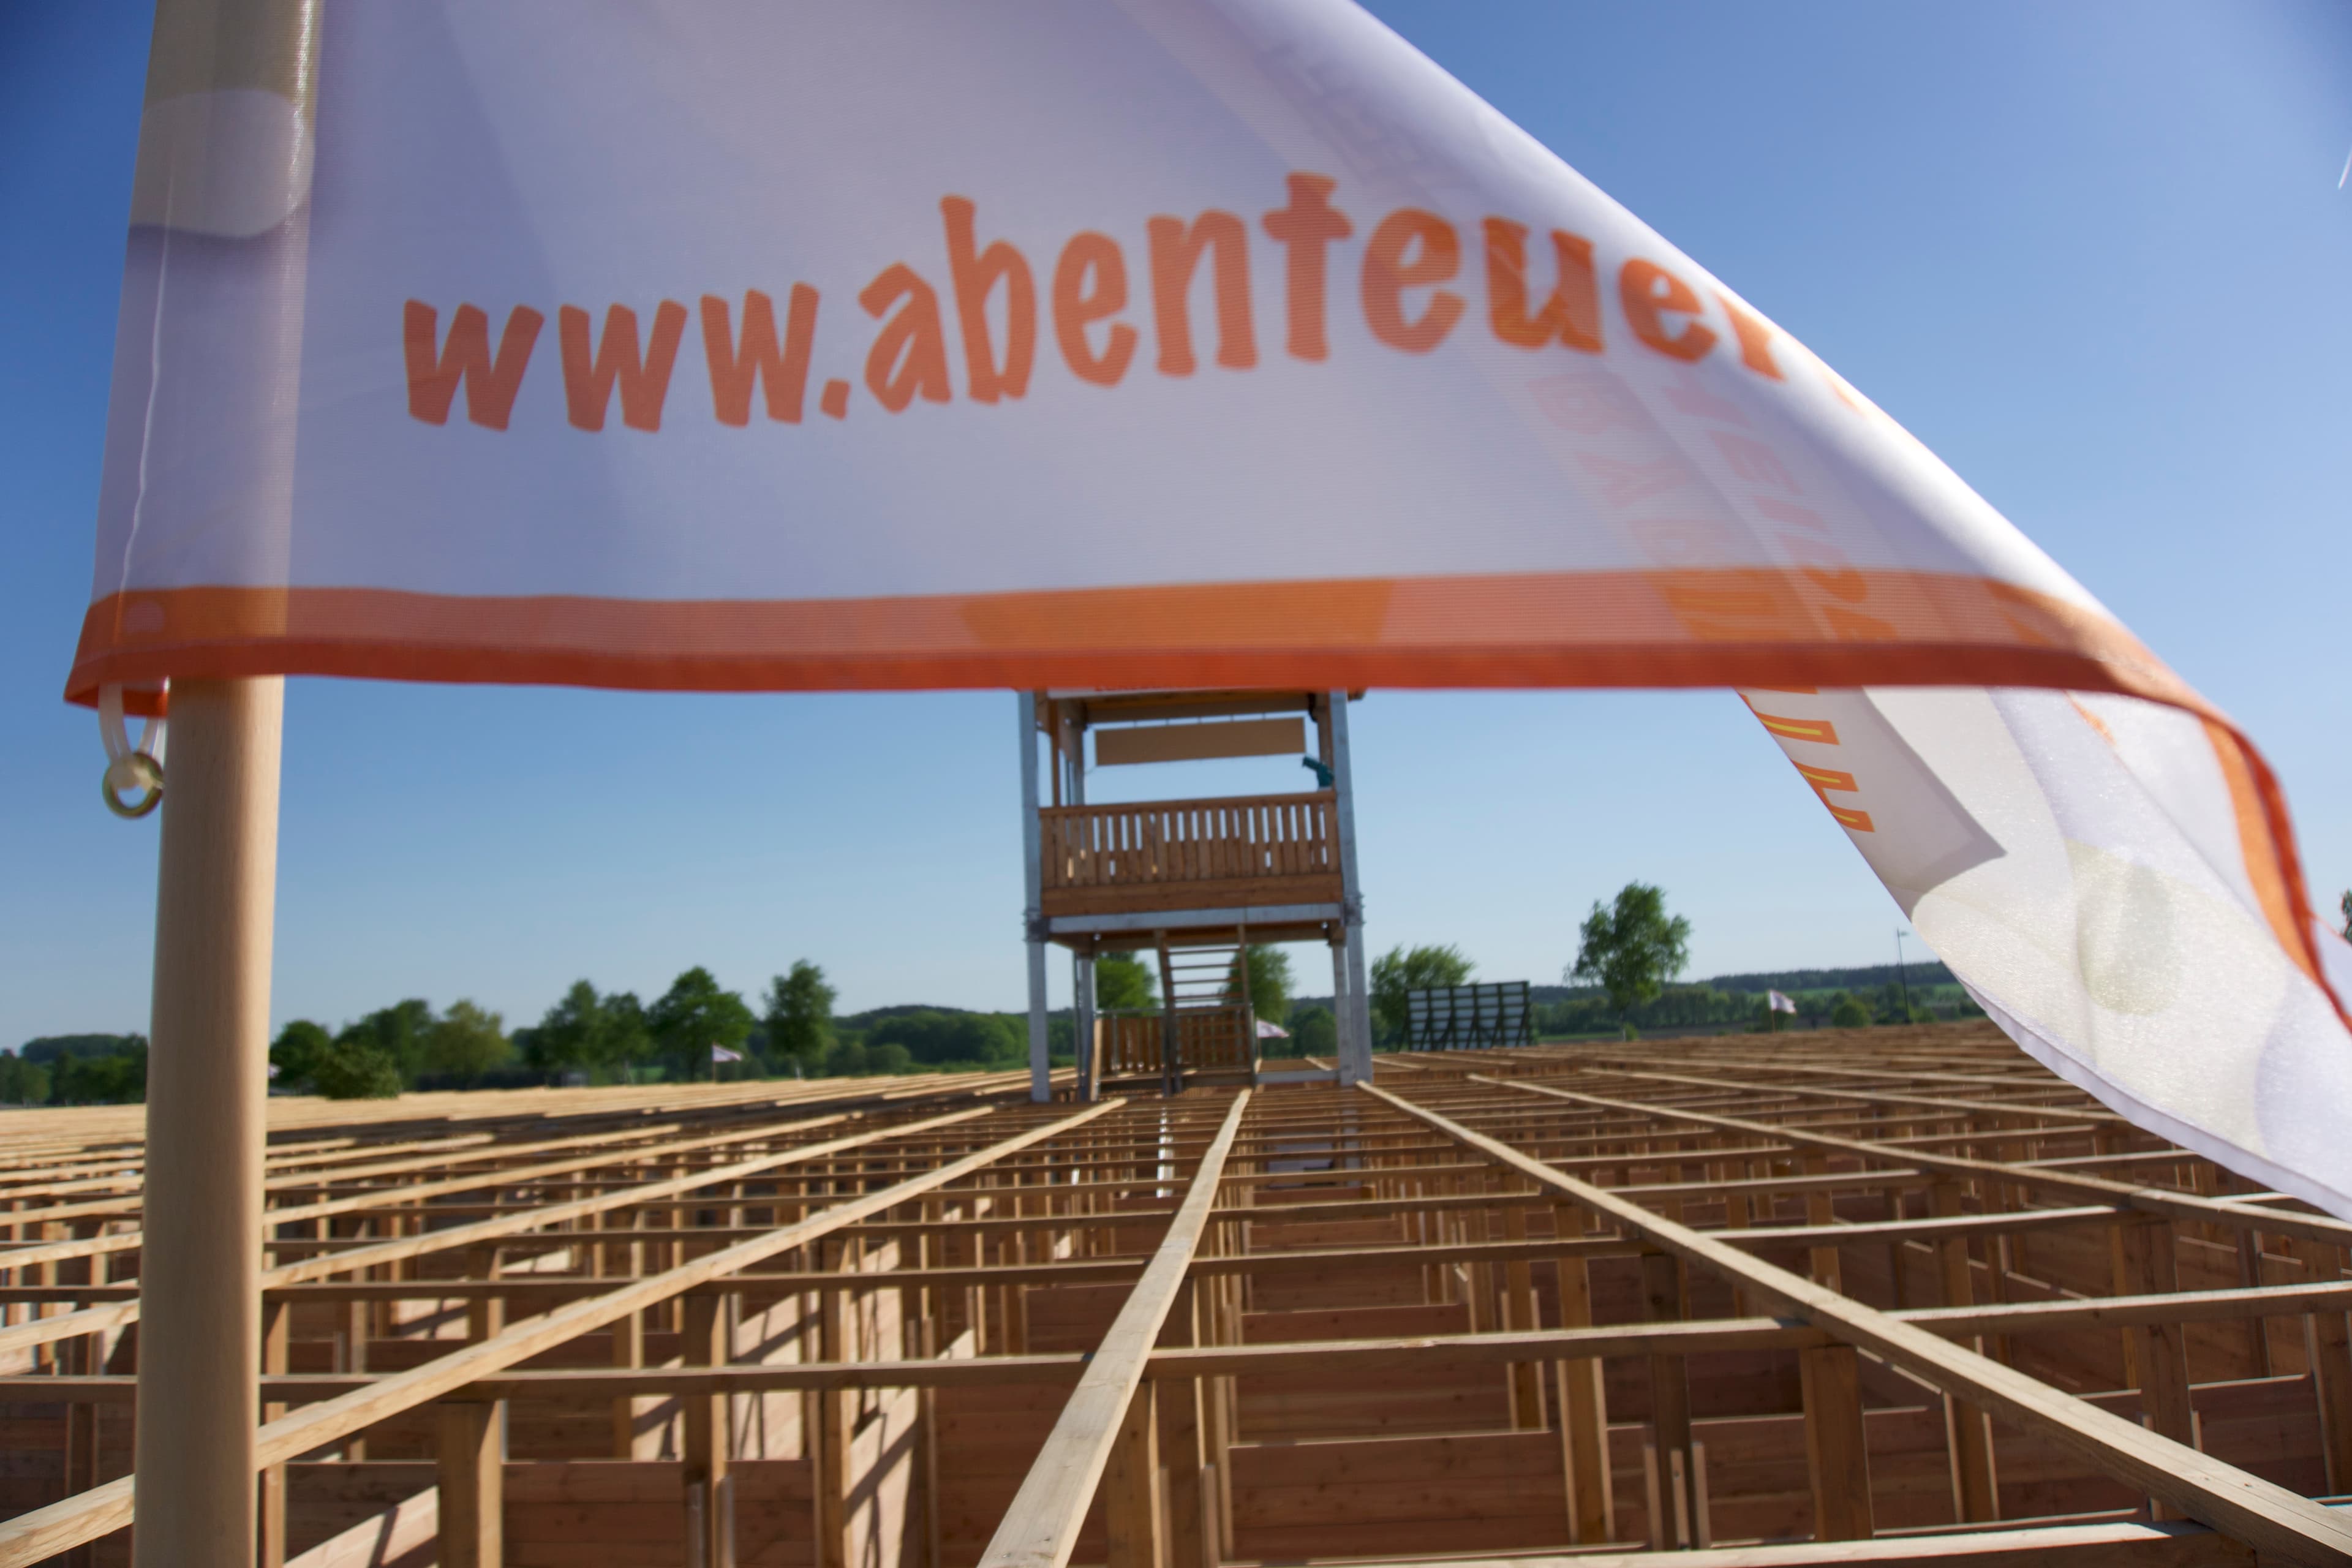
[2267, 1516]
[1041, 1529]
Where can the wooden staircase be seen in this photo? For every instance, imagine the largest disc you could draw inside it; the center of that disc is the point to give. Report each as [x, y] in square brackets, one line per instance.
[1205, 1031]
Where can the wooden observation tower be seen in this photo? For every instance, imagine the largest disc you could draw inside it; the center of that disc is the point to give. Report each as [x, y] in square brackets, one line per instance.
[1192, 881]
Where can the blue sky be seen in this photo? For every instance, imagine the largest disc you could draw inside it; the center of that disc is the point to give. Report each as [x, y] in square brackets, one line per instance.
[2135, 204]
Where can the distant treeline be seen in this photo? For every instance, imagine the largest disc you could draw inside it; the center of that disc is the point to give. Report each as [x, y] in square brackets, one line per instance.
[590, 1036]
[76, 1070]
[697, 1029]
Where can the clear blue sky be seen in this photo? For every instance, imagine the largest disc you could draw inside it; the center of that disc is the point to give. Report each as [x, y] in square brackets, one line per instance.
[2136, 202]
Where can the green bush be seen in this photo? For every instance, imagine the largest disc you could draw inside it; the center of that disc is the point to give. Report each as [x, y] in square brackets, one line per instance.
[354, 1069]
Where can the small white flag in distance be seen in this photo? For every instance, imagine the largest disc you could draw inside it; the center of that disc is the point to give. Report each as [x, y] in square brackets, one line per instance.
[1778, 1003]
[721, 1054]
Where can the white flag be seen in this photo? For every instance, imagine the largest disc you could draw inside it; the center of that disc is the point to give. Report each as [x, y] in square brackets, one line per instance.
[1159, 343]
[1775, 1001]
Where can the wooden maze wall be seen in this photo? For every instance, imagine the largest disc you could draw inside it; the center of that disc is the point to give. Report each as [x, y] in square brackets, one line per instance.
[1883, 1295]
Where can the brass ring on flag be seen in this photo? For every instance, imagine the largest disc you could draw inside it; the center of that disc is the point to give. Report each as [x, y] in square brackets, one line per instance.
[132, 770]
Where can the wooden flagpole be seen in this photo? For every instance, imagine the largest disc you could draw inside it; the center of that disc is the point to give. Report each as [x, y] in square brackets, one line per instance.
[207, 1083]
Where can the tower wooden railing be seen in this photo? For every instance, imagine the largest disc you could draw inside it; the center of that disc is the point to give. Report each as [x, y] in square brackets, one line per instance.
[1238, 851]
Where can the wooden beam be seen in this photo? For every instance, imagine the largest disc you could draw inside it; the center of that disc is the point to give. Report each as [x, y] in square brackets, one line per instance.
[2163, 1201]
[1041, 1529]
[2269, 1517]
[96, 1319]
[42, 1532]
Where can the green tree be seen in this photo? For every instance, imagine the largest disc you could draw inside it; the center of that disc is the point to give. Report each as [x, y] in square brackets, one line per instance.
[694, 1015]
[1314, 1032]
[113, 1079]
[1401, 968]
[466, 1042]
[1269, 981]
[601, 1035]
[297, 1051]
[354, 1067]
[1849, 1012]
[23, 1082]
[561, 1041]
[397, 1032]
[799, 1014]
[625, 1037]
[1632, 949]
[1122, 979]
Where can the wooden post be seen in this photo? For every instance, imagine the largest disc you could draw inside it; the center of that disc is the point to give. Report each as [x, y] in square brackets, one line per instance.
[486, 1316]
[1181, 1441]
[2328, 1341]
[207, 1080]
[1132, 1494]
[830, 1471]
[2158, 1351]
[711, 1543]
[1583, 1403]
[1976, 1486]
[277, 1322]
[80, 1355]
[1661, 1284]
[1820, 1208]
[471, 1462]
[1837, 1457]
[1520, 1311]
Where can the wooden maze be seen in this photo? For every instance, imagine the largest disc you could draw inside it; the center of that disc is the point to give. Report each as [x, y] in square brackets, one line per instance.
[1858, 1297]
